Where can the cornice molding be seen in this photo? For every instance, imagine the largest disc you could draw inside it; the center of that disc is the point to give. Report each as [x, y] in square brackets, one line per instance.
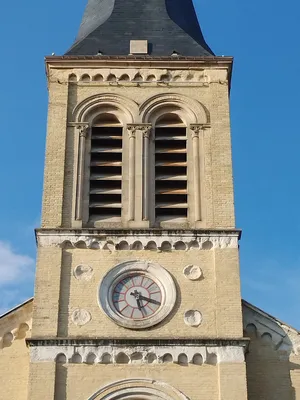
[67, 341]
[134, 60]
[93, 62]
[216, 351]
[138, 239]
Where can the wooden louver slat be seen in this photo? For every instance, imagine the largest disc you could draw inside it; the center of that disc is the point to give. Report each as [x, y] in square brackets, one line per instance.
[170, 173]
[106, 173]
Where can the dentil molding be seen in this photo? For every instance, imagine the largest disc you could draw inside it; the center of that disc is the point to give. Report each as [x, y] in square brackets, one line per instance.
[138, 240]
[90, 354]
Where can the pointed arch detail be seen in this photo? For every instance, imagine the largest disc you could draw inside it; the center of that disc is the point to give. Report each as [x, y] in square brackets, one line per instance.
[131, 389]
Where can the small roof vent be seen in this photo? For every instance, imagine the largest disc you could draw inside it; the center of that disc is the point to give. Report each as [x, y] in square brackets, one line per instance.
[138, 46]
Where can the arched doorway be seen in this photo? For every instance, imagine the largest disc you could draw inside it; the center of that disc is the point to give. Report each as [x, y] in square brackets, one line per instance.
[138, 389]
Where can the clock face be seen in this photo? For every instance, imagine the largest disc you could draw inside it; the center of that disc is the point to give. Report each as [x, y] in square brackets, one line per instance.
[137, 296]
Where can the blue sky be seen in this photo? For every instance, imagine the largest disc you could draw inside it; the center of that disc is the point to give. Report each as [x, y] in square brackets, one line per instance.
[263, 38]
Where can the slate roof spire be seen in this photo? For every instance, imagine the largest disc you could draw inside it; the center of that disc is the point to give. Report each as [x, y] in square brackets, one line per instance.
[168, 25]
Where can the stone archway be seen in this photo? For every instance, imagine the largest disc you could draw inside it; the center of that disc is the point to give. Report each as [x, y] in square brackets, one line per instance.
[138, 389]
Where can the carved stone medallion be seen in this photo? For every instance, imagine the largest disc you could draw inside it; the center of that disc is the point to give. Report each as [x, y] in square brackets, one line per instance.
[192, 272]
[81, 317]
[193, 318]
[83, 272]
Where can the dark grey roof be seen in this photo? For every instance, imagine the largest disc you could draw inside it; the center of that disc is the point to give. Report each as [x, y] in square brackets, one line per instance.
[168, 25]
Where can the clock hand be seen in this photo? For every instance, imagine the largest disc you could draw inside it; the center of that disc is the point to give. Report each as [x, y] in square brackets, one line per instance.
[149, 300]
[137, 296]
[140, 306]
[138, 301]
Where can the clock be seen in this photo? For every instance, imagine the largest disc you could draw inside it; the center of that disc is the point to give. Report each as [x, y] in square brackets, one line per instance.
[137, 294]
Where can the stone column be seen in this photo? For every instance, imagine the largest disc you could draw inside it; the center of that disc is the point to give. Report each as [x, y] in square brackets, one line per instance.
[195, 130]
[131, 172]
[83, 133]
[138, 172]
[146, 148]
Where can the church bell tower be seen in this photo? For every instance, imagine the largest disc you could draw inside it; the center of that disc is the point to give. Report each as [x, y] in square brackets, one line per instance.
[137, 291]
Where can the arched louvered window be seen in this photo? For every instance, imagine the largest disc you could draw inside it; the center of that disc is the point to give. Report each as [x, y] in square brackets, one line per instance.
[105, 194]
[171, 195]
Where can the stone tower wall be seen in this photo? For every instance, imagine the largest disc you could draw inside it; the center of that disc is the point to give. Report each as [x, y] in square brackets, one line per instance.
[202, 90]
[198, 349]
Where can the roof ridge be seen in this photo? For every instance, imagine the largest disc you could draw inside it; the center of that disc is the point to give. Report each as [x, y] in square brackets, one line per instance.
[16, 307]
[265, 314]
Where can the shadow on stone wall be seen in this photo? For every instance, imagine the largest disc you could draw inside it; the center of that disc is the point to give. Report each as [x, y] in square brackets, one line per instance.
[64, 296]
[69, 159]
[269, 366]
[61, 373]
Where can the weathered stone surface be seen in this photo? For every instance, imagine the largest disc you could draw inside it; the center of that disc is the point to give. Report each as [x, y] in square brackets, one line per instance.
[193, 318]
[81, 317]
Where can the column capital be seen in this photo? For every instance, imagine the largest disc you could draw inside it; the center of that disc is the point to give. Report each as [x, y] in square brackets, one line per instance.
[143, 128]
[131, 132]
[197, 128]
[83, 129]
